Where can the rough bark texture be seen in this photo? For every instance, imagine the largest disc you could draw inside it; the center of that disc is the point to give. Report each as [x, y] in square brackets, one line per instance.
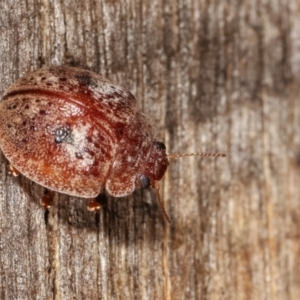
[212, 75]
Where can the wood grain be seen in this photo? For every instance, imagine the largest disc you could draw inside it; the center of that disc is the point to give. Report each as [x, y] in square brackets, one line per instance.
[220, 75]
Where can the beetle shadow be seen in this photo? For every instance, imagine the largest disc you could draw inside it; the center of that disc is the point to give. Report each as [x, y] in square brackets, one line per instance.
[122, 221]
[64, 210]
[137, 215]
[132, 219]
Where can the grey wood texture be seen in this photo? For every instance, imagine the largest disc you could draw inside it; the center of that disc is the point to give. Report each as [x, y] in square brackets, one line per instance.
[212, 76]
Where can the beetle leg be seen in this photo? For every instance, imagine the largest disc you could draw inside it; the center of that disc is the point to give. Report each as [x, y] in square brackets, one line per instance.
[155, 185]
[47, 200]
[93, 205]
[13, 170]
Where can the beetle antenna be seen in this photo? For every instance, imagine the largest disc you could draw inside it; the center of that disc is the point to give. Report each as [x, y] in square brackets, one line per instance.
[203, 154]
[155, 185]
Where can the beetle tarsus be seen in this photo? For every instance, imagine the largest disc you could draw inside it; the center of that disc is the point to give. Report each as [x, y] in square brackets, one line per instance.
[93, 205]
[13, 171]
[47, 200]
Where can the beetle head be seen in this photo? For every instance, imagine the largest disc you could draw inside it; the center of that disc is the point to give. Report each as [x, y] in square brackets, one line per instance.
[153, 169]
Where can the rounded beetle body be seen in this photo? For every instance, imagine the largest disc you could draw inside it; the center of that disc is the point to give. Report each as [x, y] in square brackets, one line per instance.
[75, 132]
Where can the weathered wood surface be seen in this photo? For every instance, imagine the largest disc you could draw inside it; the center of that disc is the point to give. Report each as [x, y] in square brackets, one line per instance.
[212, 75]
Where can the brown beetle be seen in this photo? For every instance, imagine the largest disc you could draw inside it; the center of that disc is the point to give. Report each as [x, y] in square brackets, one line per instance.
[74, 132]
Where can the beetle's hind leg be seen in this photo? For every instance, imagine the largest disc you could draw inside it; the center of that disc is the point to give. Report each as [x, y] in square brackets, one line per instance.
[93, 205]
[47, 200]
[13, 171]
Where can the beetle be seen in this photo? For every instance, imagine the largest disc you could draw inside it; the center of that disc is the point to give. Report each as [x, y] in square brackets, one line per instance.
[74, 132]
